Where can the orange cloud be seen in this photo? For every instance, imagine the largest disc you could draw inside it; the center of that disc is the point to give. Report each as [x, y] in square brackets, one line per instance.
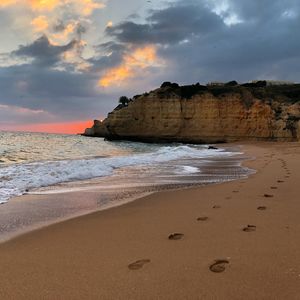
[84, 7]
[4, 3]
[44, 4]
[109, 24]
[40, 23]
[88, 6]
[132, 63]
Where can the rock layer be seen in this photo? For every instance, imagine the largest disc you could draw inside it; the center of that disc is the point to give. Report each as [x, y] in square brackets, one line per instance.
[207, 116]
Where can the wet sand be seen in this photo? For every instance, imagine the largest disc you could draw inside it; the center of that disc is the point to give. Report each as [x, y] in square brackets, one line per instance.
[73, 199]
[236, 240]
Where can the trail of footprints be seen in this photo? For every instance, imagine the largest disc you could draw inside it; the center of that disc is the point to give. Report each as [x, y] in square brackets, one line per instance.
[219, 265]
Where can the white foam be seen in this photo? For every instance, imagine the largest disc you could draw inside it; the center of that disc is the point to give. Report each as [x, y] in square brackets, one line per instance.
[16, 179]
[188, 170]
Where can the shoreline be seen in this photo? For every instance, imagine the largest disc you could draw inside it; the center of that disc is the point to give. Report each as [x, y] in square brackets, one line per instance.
[89, 256]
[62, 202]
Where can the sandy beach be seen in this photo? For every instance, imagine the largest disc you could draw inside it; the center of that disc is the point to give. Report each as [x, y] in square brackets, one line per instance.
[236, 240]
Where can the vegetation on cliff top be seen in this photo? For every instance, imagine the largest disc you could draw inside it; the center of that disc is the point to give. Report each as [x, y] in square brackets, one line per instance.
[260, 90]
[277, 93]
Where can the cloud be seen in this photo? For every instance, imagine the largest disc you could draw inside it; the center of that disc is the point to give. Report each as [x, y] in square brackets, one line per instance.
[219, 39]
[12, 114]
[43, 53]
[62, 95]
[5, 3]
[109, 24]
[33, 17]
[43, 4]
[171, 25]
[132, 63]
[63, 31]
[86, 7]
[40, 23]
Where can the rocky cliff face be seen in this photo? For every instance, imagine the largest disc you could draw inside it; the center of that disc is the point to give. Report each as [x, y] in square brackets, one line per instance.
[206, 116]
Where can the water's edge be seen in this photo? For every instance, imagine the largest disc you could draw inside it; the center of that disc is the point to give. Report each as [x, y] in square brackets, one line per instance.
[92, 193]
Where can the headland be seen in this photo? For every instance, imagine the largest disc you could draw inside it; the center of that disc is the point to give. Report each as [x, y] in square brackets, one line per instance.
[213, 113]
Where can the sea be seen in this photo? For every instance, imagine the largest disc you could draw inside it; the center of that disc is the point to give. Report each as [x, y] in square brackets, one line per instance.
[109, 172]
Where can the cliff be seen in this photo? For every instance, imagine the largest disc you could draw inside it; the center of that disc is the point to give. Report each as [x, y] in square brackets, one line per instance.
[206, 114]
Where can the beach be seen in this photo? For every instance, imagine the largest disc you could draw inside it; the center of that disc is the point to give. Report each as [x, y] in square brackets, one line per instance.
[235, 240]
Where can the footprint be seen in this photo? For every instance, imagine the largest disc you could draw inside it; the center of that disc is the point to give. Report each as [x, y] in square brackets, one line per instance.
[249, 228]
[280, 181]
[268, 195]
[235, 191]
[262, 208]
[202, 219]
[274, 187]
[219, 265]
[176, 236]
[216, 206]
[138, 264]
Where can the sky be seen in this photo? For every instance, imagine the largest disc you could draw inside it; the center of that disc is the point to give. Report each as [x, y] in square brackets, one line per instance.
[65, 63]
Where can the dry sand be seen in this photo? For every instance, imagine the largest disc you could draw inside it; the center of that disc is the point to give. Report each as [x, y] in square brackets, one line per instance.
[125, 252]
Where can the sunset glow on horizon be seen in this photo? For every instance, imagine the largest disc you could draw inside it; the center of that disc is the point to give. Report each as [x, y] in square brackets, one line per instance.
[76, 127]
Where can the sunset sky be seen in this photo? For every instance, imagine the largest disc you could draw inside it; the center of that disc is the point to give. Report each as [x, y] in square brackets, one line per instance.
[65, 63]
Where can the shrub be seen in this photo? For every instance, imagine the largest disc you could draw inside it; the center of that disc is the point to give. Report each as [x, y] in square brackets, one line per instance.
[123, 100]
[231, 83]
[169, 84]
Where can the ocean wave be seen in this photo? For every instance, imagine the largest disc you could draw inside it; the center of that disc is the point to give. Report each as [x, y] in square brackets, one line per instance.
[16, 179]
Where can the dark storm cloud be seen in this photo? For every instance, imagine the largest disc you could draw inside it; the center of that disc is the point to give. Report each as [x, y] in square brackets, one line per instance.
[110, 47]
[201, 42]
[38, 85]
[108, 55]
[264, 10]
[168, 26]
[43, 52]
[67, 96]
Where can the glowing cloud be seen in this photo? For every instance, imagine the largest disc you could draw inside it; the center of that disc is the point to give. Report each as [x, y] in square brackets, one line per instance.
[60, 20]
[86, 7]
[132, 63]
[44, 4]
[40, 23]
[109, 24]
[4, 3]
